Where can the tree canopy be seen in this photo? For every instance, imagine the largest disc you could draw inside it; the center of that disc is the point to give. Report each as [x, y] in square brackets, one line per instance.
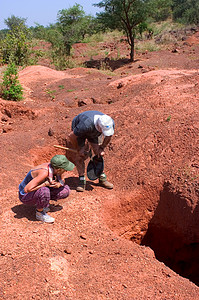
[185, 11]
[73, 24]
[15, 47]
[14, 22]
[126, 15]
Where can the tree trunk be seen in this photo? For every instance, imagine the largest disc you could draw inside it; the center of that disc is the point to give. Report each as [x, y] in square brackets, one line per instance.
[67, 48]
[132, 44]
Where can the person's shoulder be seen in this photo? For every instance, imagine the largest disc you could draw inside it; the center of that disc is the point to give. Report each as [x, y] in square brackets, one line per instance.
[42, 168]
[45, 165]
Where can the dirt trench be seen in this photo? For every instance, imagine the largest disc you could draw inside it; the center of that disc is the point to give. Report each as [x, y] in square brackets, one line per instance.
[173, 235]
[169, 226]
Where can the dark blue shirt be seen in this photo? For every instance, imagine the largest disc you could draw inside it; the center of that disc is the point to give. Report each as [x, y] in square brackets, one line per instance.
[26, 180]
[84, 128]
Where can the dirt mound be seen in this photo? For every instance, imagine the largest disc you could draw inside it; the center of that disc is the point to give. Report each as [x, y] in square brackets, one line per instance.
[193, 40]
[138, 241]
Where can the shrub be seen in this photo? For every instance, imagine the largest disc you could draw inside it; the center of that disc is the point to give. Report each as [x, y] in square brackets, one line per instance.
[10, 87]
[15, 47]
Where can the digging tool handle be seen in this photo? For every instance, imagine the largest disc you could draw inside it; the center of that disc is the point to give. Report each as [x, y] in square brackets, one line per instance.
[65, 148]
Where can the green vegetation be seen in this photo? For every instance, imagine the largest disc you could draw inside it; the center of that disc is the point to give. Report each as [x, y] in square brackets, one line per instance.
[72, 90]
[126, 16]
[74, 25]
[51, 93]
[160, 10]
[148, 45]
[144, 24]
[168, 118]
[186, 12]
[10, 88]
[16, 46]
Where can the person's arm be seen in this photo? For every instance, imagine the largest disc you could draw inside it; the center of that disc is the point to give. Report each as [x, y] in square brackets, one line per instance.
[39, 181]
[106, 141]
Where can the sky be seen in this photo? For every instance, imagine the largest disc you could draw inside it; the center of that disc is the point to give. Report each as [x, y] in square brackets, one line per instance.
[43, 12]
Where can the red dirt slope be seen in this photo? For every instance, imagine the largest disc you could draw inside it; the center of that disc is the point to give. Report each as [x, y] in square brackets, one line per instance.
[100, 246]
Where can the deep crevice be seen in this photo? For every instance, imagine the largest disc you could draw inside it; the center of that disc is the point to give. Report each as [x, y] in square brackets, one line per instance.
[173, 234]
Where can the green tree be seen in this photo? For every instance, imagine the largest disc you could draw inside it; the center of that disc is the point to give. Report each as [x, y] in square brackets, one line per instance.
[10, 87]
[39, 32]
[160, 9]
[13, 22]
[3, 33]
[124, 15]
[15, 47]
[73, 24]
[186, 11]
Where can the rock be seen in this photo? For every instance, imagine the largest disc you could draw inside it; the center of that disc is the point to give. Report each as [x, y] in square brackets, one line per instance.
[68, 250]
[85, 102]
[50, 132]
[7, 128]
[83, 237]
[120, 85]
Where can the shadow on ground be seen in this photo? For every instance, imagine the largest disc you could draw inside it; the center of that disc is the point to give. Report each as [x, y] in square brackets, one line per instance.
[107, 63]
[25, 211]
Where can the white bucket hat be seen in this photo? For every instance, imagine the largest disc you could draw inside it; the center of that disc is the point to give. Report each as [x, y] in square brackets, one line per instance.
[106, 124]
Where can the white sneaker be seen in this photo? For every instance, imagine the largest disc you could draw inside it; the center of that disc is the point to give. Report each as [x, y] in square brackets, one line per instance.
[42, 216]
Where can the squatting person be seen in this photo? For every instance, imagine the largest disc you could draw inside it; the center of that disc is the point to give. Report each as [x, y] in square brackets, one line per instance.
[44, 183]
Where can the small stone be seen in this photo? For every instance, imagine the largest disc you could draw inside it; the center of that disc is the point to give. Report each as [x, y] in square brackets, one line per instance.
[120, 85]
[4, 118]
[85, 102]
[82, 236]
[68, 251]
[7, 128]
[50, 132]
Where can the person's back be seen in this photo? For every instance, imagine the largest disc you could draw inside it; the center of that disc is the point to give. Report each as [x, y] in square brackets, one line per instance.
[83, 125]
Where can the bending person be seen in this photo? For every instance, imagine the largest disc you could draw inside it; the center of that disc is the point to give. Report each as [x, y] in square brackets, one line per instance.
[90, 128]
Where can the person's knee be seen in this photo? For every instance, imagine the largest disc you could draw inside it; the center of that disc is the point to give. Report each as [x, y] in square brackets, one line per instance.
[61, 193]
[44, 193]
[66, 191]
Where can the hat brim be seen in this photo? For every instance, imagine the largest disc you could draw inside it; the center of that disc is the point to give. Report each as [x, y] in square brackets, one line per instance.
[70, 166]
[108, 132]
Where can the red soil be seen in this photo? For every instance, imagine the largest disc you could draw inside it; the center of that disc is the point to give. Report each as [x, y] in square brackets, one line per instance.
[100, 246]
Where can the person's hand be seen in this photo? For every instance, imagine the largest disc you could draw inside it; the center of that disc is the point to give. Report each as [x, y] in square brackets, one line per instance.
[46, 183]
[57, 185]
[101, 151]
[84, 152]
[54, 184]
